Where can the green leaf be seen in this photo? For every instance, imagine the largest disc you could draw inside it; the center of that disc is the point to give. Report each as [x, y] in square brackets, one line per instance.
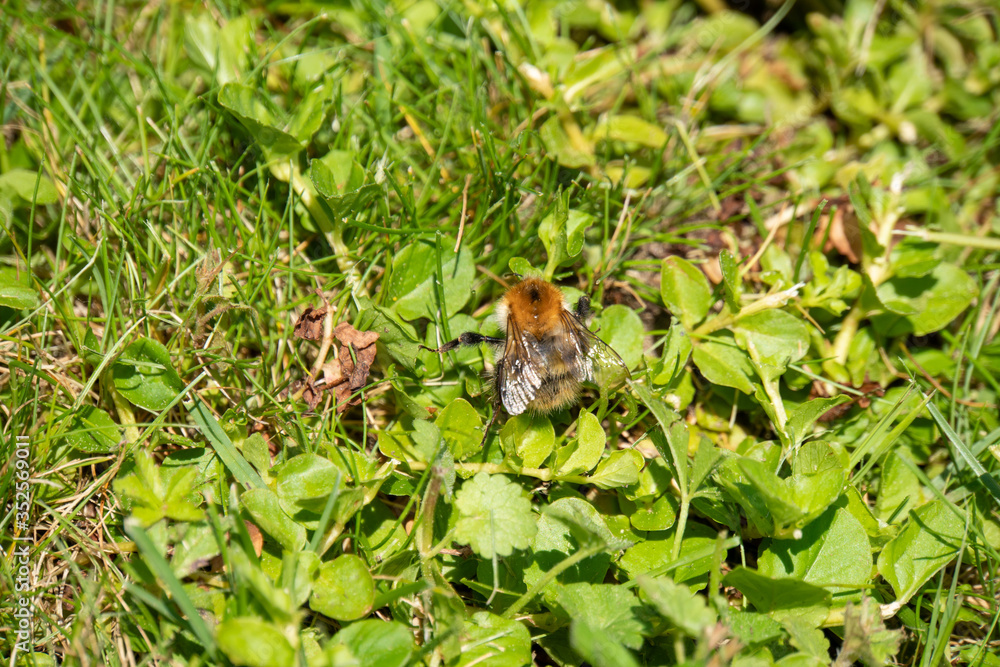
[608, 609]
[673, 445]
[678, 604]
[620, 327]
[685, 291]
[866, 636]
[705, 459]
[422, 442]
[790, 504]
[336, 173]
[753, 628]
[304, 482]
[340, 181]
[931, 301]
[819, 473]
[561, 232]
[93, 431]
[597, 648]
[21, 182]
[631, 129]
[522, 267]
[913, 258]
[378, 643]
[654, 514]
[724, 364]
[257, 453]
[383, 529]
[621, 468]
[650, 555]
[585, 450]
[396, 336]
[344, 589]
[596, 67]
[495, 516]
[260, 117]
[410, 290]
[560, 148]
[489, 639]
[236, 40]
[195, 547]
[833, 552]
[254, 642]
[461, 427]
[177, 503]
[15, 295]
[830, 292]
[771, 595]
[676, 352]
[201, 35]
[773, 339]
[262, 504]
[154, 493]
[732, 479]
[144, 374]
[566, 526]
[586, 527]
[310, 114]
[730, 280]
[802, 418]
[529, 437]
[930, 540]
[809, 639]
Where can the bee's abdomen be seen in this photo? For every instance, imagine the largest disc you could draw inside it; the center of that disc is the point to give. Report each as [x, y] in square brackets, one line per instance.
[557, 391]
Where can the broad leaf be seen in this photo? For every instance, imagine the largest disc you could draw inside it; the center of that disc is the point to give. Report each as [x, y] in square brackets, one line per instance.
[495, 516]
[344, 589]
[685, 291]
[254, 642]
[144, 374]
[929, 541]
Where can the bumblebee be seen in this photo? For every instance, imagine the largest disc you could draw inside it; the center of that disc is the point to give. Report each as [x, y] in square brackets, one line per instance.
[547, 352]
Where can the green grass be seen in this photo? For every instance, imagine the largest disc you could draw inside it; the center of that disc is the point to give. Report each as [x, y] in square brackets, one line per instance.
[787, 224]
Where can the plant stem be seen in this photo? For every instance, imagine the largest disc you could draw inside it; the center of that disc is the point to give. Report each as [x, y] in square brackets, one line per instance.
[426, 535]
[543, 474]
[682, 518]
[952, 239]
[727, 319]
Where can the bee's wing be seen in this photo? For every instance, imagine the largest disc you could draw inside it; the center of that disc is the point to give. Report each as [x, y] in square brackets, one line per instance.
[519, 370]
[596, 361]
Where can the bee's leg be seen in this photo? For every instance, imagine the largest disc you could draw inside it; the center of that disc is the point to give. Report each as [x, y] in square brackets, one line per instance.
[489, 427]
[583, 311]
[468, 338]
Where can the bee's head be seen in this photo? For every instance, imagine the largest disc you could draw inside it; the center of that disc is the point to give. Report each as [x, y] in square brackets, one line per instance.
[532, 303]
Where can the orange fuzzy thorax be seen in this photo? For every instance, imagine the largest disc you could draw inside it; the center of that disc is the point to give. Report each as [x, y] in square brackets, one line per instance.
[534, 305]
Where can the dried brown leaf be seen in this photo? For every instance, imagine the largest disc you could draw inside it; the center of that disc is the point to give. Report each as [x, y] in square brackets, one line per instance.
[310, 324]
[348, 335]
[333, 373]
[256, 537]
[364, 358]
